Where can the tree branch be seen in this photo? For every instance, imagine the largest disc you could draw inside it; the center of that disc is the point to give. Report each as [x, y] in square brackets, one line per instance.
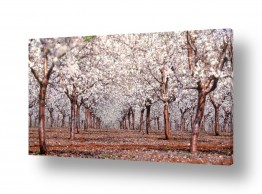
[212, 100]
[191, 47]
[50, 71]
[215, 80]
[35, 75]
[153, 88]
[190, 88]
[153, 75]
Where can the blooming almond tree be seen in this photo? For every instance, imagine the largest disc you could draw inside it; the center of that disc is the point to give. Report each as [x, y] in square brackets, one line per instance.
[209, 52]
[77, 75]
[157, 70]
[43, 56]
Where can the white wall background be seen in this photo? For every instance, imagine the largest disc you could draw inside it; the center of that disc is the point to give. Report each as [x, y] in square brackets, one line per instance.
[24, 19]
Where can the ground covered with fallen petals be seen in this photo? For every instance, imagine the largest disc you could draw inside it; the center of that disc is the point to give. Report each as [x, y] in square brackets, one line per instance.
[135, 145]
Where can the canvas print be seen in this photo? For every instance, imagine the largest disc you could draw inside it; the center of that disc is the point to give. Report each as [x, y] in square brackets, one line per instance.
[159, 97]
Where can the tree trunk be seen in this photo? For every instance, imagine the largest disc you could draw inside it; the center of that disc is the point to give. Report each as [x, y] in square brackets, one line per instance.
[63, 121]
[178, 125]
[120, 124]
[166, 121]
[148, 126]
[198, 118]
[142, 119]
[157, 120]
[85, 124]
[72, 120]
[57, 121]
[87, 111]
[124, 122]
[95, 122]
[91, 120]
[170, 123]
[212, 125]
[51, 118]
[46, 121]
[78, 117]
[128, 119]
[182, 123]
[41, 129]
[35, 123]
[133, 120]
[225, 128]
[231, 123]
[30, 120]
[204, 124]
[216, 127]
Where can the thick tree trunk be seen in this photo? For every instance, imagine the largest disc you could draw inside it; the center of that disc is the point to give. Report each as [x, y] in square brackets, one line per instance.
[198, 118]
[142, 119]
[148, 126]
[166, 121]
[41, 129]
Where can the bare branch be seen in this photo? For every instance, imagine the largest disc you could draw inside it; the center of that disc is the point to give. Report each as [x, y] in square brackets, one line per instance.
[212, 100]
[153, 75]
[191, 47]
[214, 85]
[222, 58]
[190, 88]
[153, 88]
[34, 72]
[50, 71]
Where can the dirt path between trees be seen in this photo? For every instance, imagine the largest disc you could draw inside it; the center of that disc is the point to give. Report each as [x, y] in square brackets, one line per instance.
[136, 146]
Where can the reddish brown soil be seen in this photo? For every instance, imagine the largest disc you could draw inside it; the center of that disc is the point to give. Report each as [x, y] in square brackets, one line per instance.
[135, 145]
